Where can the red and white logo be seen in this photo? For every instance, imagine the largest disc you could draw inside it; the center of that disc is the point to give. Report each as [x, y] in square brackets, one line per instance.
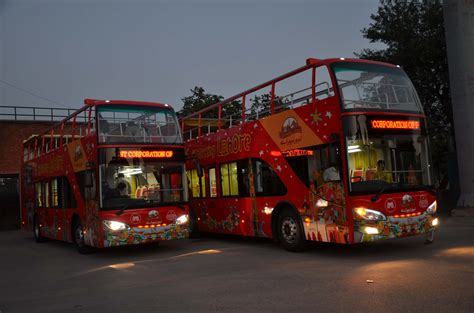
[135, 218]
[390, 205]
[407, 200]
[423, 202]
[171, 215]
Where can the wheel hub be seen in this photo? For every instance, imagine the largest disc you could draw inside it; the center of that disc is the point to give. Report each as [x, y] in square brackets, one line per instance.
[79, 236]
[289, 229]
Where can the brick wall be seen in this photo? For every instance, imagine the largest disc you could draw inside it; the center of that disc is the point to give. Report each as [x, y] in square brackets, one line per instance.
[12, 134]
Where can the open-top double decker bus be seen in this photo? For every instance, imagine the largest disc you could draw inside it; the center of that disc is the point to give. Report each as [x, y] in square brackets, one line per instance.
[342, 157]
[110, 174]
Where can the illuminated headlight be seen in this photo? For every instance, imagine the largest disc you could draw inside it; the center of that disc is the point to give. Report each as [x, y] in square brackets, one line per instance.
[115, 226]
[432, 208]
[371, 230]
[183, 219]
[370, 215]
[435, 222]
[321, 203]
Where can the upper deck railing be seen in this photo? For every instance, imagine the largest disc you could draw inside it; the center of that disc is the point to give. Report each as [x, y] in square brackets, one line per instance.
[24, 113]
[275, 103]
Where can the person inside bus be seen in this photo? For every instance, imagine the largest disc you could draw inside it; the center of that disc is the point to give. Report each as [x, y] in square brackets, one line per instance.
[381, 174]
[109, 193]
[133, 131]
[121, 179]
[331, 173]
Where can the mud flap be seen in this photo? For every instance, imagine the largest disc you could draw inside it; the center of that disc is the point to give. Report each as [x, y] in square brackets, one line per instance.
[430, 237]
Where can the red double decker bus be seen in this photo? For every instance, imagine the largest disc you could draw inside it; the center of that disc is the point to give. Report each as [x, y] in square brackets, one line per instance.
[110, 174]
[334, 151]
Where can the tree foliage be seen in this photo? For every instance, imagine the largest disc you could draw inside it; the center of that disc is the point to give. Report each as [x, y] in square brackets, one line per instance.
[413, 32]
[199, 100]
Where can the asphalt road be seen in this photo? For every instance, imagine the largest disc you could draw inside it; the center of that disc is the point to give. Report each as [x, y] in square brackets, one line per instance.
[227, 274]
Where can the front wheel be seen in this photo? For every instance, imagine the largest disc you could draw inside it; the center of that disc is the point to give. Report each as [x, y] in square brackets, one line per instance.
[290, 231]
[79, 239]
[37, 231]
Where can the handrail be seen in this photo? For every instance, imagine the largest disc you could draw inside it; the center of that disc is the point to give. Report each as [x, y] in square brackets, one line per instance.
[25, 113]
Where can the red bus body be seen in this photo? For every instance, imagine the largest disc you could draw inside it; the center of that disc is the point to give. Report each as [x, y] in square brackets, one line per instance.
[61, 184]
[256, 167]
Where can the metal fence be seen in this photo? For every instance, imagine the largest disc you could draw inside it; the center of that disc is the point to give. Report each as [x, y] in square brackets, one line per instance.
[19, 113]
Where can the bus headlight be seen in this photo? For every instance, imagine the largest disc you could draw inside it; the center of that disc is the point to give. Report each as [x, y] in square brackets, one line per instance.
[370, 215]
[435, 222]
[115, 226]
[183, 219]
[432, 208]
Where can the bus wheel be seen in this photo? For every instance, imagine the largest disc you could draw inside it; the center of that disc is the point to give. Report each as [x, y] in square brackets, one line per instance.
[37, 231]
[290, 232]
[79, 239]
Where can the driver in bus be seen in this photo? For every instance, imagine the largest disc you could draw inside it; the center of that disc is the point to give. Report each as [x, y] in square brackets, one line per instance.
[381, 174]
[121, 179]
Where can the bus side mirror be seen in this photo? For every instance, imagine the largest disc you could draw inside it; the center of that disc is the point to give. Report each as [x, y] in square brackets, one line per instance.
[199, 170]
[89, 179]
[332, 155]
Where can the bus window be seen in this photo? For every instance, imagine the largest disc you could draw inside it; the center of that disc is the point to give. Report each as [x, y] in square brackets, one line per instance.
[315, 165]
[229, 182]
[46, 194]
[67, 195]
[39, 195]
[196, 184]
[267, 182]
[212, 182]
[55, 196]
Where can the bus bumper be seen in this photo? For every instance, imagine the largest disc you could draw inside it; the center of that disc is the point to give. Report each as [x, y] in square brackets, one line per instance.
[140, 235]
[395, 227]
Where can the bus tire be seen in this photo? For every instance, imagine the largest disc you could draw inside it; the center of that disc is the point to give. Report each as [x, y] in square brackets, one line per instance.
[290, 231]
[37, 230]
[78, 238]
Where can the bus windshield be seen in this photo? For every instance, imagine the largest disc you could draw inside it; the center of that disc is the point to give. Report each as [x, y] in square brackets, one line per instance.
[138, 124]
[139, 182]
[371, 86]
[388, 159]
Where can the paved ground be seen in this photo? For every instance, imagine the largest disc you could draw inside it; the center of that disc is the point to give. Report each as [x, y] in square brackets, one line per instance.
[216, 274]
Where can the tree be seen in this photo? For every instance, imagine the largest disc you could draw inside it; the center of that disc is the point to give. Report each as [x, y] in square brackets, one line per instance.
[199, 100]
[413, 32]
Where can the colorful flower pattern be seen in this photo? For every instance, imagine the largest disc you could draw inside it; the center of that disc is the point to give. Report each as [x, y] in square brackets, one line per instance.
[137, 235]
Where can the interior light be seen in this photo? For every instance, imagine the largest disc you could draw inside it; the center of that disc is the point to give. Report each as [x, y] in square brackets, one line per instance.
[371, 230]
[353, 147]
[354, 151]
[131, 171]
[342, 59]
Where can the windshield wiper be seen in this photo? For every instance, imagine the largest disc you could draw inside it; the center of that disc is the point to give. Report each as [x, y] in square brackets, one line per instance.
[122, 209]
[377, 196]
